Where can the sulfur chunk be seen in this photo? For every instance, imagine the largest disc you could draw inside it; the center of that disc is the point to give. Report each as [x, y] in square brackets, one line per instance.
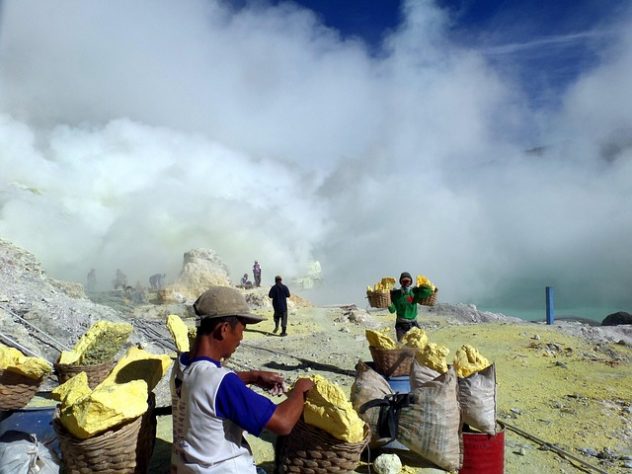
[179, 331]
[380, 338]
[99, 345]
[387, 464]
[434, 356]
[105, 407]
[468, 360]
[385, 285]
[72, 390]
[138, 364]
[328, 408]
[415, 338]
[13, 360]
[424, 281]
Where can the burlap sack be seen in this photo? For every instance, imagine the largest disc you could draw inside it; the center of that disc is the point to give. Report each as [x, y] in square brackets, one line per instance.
[431, 425]
[477, 397]
[369, 385]
[420, 374]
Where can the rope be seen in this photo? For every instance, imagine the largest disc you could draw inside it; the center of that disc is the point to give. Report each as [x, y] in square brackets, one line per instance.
[56, 344]
[565, 454]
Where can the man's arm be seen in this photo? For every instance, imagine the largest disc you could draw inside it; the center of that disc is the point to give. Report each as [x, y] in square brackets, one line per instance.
[287, 291]
[261, 378]
[288, 412]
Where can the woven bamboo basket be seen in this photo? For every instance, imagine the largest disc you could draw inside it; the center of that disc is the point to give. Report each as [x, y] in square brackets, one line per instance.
[393, 362]
[96, 373]
[310, 450]
[125, 449]
[16, 390]
[379, 299]
[430, 300]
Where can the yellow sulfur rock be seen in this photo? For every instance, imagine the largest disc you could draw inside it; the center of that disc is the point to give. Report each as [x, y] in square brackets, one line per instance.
[327, 408]
[415, 338]
[138, 364]
[179, 331]
[13, 360]
[380, 338]
[107, 406]
[99, 345]
[434, 356]
[468, 360]
[424, 281]
[385, 285]
[72, 390]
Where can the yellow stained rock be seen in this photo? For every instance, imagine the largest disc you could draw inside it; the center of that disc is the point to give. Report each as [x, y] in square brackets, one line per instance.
[105, 407]
[138, 364]
[179, 331]
[327, 408]
[99, 345]
[434, 356]
[72, 390]
[415, 338]
[13, 360]
[468, 360]
[380, 338]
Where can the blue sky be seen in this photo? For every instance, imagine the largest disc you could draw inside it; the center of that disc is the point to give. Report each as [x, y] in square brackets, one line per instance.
[545, 44]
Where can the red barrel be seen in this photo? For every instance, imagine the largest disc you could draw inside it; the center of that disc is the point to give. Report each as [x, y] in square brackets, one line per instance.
[483, 453]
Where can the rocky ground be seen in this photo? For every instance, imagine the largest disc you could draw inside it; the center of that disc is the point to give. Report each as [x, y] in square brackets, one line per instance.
[569, 385]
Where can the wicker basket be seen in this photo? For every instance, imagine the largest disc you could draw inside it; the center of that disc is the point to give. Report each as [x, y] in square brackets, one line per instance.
[16, 390]
[125, 449]
[96, 373]
[379, 299]
[310, 450]
[430, 300]
[393, 362]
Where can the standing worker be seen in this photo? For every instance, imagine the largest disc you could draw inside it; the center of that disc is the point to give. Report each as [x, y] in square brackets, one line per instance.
[279, 294]
[256, 273]
[216, 403]
[404, 303]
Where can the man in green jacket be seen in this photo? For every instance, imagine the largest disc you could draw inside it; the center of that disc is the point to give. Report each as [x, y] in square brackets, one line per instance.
[404, 301]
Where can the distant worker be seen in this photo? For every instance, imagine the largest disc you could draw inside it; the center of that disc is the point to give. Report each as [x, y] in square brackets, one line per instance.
[216, 405]
[120, 281]
[91, 283]
[279, 294]
[157, 281]
[404, 302]
[245, 283]
[256, 272]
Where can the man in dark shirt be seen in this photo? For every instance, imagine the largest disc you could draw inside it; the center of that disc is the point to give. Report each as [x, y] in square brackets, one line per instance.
[279, 294]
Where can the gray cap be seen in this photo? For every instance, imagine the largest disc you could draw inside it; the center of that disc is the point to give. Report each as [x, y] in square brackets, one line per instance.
[222, 301]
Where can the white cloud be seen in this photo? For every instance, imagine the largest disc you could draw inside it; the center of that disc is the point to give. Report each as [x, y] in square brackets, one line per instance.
[133, 131]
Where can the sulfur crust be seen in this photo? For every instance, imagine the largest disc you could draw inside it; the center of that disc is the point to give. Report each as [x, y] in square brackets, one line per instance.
[139, 364]
[98, 345]
[179, 331]
[14, 361]
[434, 356]
[468, 360]
[328, 408]
[415, 338]
[380, 339]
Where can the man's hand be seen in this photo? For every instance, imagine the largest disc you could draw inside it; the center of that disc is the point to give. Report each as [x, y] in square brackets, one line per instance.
[303, 386]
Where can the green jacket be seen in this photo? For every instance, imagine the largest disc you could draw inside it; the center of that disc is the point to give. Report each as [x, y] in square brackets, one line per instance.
[405, 302]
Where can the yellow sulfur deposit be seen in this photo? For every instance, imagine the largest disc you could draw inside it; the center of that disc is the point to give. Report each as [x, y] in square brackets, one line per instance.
[415, 338]
[380, 338]
[385, 285]
[72, 390]
[99, 345]
[434, 356]
[424, 281]
[138, 364]
[468, 360]
[179, 331]
[327, 408]
[13, 360]
[104, 408]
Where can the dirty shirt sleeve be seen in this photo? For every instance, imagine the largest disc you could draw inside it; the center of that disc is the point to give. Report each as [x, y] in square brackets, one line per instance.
[241, 405]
